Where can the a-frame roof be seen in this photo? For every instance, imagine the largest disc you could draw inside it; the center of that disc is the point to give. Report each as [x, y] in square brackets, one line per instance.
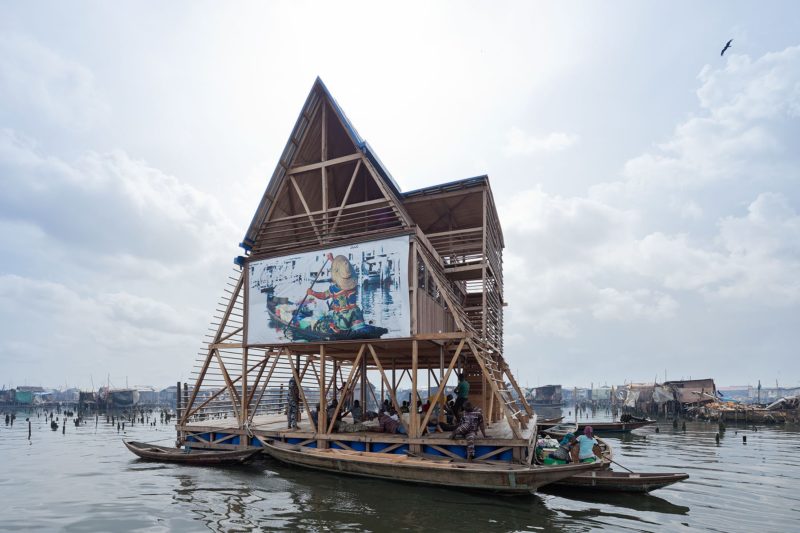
[290, 153]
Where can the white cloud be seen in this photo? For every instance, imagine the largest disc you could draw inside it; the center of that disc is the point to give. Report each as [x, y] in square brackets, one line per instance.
[518, 142]
[109, 204]
[80, 333]
[39, 84]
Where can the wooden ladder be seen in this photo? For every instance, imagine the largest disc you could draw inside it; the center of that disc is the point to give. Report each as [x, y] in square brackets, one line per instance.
[495, 370]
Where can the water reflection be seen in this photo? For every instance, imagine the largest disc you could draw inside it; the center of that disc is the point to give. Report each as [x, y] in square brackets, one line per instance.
[92, 483]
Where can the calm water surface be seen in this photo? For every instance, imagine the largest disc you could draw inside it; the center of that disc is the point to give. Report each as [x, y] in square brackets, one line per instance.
[86, 480]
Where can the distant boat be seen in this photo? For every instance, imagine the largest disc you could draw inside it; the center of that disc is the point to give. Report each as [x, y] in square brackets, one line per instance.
[194, 456]
[560, 430]
[549, 422]
[615, 427]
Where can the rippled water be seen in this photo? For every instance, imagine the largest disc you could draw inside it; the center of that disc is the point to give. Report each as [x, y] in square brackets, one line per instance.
[86, 480]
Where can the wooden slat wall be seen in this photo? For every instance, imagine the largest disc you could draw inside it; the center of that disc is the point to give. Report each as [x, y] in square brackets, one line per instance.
[432, 317]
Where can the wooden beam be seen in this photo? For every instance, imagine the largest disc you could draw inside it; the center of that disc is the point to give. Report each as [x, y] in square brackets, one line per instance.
[493, 453]
[220, 391]
[231, 334]
[346, 196]
[414, 280]
[442, 385]
[264, 386]
[305, 206]
[324, 150]
[321, 164]
[393, 395]
[323, 399]
[348, 385]
[234, 395]
[299, 383]
[414, 416]
[217, 336]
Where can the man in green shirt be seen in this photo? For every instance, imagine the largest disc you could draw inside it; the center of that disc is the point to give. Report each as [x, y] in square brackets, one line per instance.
[462, 393]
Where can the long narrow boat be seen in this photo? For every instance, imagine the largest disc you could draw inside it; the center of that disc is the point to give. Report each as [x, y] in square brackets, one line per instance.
[615, 427]
[480, 475]
[607, 480]
[193, 456]
[559, 430]
[549, 422]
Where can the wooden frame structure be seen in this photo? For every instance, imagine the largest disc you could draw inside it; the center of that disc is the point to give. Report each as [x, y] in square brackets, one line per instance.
[329, 188]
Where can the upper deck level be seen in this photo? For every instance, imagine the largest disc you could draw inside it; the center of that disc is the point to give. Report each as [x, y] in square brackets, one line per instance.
[330, 194]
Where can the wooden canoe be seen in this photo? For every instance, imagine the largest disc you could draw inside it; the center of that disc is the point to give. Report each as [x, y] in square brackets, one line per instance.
[479, 475]
[608, 480]
[614, 427]
[194, 456]
[559, 430]
[549, 422]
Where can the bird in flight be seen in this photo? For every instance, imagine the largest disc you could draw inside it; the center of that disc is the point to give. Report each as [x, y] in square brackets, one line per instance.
[727, 45]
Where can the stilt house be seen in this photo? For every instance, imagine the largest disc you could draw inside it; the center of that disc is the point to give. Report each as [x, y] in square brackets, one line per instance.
[427, 303]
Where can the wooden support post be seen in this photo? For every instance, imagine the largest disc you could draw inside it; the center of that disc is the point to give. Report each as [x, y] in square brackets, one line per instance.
[266, 382]
[414, 430]
[302, 392]
[323, 402]
[244, 388]
[443, 383]
[364, 384]
[414, 283]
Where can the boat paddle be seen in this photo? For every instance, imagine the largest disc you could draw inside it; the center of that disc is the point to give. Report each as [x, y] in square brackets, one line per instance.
[626, 468]
[303, 301]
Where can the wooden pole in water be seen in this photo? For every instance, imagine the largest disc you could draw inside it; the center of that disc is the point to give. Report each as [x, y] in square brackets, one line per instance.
[29, 429]
[178, 411]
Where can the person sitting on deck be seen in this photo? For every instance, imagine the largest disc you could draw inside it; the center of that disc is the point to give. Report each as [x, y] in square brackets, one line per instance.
[345, 315]
[563, 452]
[387, 424]
[404, 407]
[471, 422]
[462, 393]
[588, 447]
[292, 404]
[426, 406]
[356, 412]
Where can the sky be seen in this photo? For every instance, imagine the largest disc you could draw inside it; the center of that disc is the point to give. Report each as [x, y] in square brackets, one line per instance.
[648, 188]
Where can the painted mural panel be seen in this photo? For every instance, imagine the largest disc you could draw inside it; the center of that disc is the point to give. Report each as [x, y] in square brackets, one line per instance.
[356, 291]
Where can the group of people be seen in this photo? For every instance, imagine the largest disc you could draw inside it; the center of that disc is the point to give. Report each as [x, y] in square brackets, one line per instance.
[581, 449]
[461, 418]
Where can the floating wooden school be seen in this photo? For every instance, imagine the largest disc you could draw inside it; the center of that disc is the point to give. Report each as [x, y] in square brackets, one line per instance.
[348, 283]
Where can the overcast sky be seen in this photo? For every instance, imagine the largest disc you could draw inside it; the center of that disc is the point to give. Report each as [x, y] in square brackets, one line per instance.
[649, 189]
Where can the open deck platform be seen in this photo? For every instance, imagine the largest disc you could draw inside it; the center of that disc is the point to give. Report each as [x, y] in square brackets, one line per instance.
[223, 433]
